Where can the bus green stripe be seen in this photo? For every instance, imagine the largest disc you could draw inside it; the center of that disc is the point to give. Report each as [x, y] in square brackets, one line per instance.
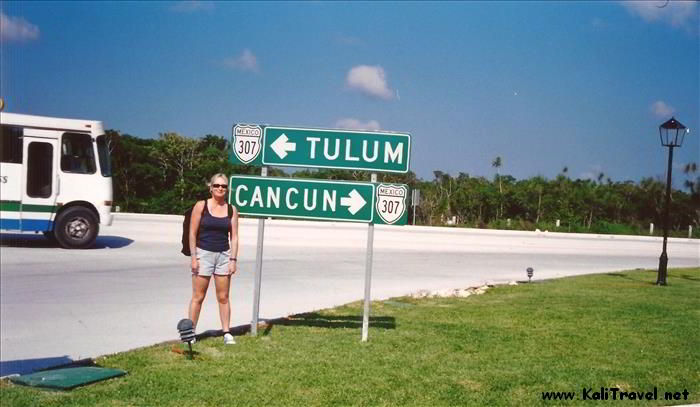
[38, 208]
[15, 206]
[9, 206]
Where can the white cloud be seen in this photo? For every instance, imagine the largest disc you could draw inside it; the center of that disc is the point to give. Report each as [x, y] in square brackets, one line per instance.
[17, 29]
[370, 80]
[661, 109]
[247, 61]
[354, 124]
[676, 13]
[191, 6]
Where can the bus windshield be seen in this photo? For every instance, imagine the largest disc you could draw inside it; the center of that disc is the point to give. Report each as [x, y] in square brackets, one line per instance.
[103, 154]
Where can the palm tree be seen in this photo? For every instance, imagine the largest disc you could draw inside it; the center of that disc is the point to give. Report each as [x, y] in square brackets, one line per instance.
[496, 163]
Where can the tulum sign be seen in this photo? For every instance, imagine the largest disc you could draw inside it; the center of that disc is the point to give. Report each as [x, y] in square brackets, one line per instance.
[321, 148]
[319, 199]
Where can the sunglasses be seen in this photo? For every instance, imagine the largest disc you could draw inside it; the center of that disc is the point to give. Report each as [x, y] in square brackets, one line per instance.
[224, 186]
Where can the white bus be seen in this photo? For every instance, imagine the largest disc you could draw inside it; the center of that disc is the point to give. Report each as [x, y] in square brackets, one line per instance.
[55, 178]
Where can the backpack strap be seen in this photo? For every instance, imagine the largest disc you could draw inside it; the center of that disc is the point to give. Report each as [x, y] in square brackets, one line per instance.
[200, 221]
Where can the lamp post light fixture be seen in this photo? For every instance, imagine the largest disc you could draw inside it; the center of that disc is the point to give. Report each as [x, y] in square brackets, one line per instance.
[672, 134]
[186, 329]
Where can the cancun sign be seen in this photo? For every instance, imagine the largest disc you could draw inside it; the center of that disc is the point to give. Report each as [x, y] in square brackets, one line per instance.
[299, 198]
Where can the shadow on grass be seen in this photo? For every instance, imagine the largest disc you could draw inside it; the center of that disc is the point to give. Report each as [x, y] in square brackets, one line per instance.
[317, 320]
[631, 278]
[28, 366]
[639, 280]
[311, 319]
[25, 366]
[75, 363]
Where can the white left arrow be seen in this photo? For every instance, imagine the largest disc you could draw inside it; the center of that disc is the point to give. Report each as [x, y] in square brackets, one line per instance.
[282, 146]
[354, 201]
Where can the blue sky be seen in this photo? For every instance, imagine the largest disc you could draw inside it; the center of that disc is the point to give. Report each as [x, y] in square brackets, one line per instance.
[543, 85]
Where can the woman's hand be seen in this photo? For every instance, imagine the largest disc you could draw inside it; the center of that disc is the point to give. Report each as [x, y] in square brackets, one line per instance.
[231, 267]
[195, 265]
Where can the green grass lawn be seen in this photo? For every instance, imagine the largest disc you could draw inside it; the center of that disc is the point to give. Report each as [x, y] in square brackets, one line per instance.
[504, 347]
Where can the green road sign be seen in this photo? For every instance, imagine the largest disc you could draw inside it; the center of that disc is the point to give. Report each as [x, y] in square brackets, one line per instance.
[319, 148]
[319, 199]
[306, 199]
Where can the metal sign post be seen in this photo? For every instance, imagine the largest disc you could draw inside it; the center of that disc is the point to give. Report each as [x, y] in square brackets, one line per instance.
[368, 275]
[258, 270]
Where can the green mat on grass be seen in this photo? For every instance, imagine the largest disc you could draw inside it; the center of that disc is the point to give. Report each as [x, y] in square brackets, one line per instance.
[69, 378]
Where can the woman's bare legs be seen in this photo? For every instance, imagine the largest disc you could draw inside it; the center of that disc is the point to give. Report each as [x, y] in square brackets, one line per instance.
[223, 284]
[199, 291]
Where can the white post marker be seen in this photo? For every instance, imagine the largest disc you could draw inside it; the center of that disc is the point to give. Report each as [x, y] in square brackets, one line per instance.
[368, 275]
[258, 270]
[414, 215]
[415, 201]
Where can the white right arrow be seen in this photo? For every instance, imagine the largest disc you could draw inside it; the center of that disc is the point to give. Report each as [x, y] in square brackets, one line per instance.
[282, 145]
[353, 201]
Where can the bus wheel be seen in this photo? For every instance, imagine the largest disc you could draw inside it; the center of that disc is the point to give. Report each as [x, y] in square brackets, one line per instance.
[76, 228]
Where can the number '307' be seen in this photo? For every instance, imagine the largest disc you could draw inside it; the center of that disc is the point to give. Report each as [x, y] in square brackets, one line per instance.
[390, 206]
[246, 146]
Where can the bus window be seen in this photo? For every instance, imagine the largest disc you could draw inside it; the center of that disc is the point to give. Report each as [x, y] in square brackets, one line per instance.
[103, 155]
[11, 144]
[39, 171]
[77, 155]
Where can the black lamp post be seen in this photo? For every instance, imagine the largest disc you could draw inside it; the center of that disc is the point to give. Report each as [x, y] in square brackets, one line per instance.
[672, 134]
[186, 329]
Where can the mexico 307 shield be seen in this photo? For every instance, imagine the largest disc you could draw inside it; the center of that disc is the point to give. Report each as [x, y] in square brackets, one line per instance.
[391, 202]
[247, 142]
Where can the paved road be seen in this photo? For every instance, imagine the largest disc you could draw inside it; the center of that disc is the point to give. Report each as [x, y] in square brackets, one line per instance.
[59, 305]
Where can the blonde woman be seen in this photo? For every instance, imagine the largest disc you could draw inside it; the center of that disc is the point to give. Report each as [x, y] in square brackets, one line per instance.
[214, 250]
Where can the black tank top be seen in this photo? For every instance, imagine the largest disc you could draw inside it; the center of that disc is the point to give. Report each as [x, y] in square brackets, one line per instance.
[213, 232]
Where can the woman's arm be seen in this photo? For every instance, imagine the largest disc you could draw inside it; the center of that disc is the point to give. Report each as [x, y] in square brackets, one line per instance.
[234, 241]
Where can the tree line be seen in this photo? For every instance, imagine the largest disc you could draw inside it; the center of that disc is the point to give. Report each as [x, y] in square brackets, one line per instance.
[168, 174]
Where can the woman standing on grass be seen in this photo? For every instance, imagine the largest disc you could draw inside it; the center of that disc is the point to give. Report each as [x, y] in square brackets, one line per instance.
[214, 247]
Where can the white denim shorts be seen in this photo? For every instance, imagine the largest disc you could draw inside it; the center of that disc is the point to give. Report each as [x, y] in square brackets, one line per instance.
[213, 262]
